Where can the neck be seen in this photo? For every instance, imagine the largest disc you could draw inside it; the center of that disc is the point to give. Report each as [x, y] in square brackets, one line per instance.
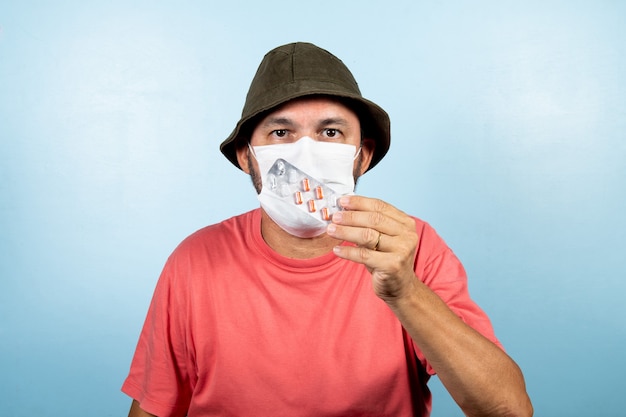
[292, 246]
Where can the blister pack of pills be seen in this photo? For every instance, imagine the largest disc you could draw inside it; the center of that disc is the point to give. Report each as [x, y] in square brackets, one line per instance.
[307, 193]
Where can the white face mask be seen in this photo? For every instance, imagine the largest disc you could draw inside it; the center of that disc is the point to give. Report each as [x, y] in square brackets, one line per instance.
[331, 164]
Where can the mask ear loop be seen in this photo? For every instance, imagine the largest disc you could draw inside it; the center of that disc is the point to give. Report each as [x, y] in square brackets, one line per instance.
[356, 155]
[252, 150]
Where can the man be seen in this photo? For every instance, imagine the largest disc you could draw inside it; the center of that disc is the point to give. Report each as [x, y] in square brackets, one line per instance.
[288, 311]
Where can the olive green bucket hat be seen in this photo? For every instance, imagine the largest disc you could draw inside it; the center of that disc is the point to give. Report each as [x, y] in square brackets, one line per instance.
[303, 69]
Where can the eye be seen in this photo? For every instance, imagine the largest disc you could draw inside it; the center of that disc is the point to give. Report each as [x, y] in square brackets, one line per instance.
[331, 133]
[279, 133]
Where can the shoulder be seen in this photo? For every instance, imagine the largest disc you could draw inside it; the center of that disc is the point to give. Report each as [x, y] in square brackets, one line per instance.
[218, 239]
[435, 260]
[209, 250]
[429, 239]
[230, 229]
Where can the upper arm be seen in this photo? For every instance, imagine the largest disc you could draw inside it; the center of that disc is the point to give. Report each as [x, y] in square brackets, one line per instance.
[136, 411]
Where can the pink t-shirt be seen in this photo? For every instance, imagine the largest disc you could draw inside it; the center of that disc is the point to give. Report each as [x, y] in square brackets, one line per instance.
[235, 329]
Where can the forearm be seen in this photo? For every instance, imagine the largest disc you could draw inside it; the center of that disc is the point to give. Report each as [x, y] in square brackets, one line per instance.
[481, 377]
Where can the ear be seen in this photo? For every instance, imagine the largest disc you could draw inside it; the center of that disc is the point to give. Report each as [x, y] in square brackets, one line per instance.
[367, 152]
[242, 158]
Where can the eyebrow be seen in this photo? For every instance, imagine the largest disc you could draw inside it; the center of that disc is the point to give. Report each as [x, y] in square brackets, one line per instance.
[280, 121]
[333, 121]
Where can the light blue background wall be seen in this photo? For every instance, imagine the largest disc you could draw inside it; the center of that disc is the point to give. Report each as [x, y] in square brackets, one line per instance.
[509, 123]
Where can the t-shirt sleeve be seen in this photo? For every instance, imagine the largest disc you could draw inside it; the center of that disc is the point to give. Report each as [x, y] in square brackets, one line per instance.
[159, 377]
[439, 268]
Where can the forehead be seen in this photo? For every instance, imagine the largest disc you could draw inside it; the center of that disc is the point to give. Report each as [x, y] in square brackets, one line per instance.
[313, 109]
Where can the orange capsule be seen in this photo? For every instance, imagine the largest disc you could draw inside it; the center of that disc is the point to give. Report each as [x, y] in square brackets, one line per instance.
[312, 206]
[319, 193]
[298, 197]
[325, 213]
[306, 186]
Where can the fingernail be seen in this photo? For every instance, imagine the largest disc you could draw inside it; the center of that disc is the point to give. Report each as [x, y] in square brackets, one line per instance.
[331, 229]
[337, 217]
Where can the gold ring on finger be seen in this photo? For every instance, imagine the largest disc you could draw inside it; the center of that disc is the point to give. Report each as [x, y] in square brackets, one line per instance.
[377, 242]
